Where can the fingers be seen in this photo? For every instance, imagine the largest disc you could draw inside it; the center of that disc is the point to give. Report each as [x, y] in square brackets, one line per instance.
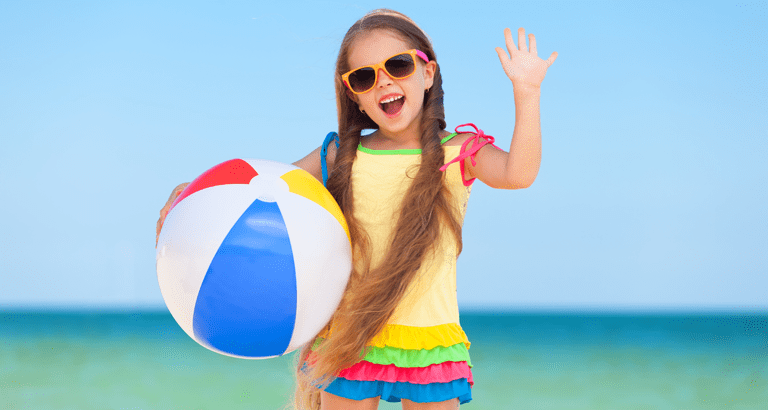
[521, 40]
[157, 229]
[510, 43]
[522, 43]
[177, 191]
[160, 221]
[164, 212]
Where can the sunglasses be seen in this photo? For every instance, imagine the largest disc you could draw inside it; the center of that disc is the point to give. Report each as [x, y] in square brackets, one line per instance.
[399, 66]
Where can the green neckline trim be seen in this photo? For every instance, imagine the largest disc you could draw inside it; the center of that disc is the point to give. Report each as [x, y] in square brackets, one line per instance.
[412, 151]
[448, 138]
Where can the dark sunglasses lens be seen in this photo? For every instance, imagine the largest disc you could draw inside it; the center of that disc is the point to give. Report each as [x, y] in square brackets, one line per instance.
[362, 79]
[400, 65]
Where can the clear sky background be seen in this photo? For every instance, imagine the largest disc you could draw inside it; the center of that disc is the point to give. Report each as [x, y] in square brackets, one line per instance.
[652, 192]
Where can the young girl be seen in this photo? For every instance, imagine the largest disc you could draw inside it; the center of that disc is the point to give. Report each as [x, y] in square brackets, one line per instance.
[404, 190]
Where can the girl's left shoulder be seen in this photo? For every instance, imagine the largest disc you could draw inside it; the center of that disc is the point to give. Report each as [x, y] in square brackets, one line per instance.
[459, 139]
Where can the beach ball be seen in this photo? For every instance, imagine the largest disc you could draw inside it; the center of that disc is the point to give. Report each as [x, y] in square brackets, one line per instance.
[253, 258]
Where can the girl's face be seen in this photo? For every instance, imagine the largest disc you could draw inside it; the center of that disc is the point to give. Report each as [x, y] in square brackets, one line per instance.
[394, 105]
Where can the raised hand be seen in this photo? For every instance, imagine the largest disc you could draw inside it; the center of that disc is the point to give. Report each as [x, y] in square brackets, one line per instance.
[522, 66]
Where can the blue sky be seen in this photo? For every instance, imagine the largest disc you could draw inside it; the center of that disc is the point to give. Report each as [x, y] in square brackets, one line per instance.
[652, 192]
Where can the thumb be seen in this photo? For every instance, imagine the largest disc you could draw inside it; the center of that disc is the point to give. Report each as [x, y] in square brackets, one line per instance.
[552, 58]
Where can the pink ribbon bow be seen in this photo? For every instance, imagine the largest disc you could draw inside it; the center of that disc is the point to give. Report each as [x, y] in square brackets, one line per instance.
[478, 141]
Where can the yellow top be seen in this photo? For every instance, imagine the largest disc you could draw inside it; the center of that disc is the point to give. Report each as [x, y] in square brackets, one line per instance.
[380, 179]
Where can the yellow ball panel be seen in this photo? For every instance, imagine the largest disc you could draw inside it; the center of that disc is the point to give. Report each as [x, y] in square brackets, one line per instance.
[303, 183]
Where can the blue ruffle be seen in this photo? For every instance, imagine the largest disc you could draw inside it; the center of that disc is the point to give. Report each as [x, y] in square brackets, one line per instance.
[393, 392]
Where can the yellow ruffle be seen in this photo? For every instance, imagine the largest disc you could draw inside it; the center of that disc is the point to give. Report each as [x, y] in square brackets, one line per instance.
[416, 338]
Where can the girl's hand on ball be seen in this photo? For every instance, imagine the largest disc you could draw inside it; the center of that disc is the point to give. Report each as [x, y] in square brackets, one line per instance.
[164, 212]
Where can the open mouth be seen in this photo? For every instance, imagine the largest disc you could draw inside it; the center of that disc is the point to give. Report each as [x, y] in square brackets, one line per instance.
[392, 105]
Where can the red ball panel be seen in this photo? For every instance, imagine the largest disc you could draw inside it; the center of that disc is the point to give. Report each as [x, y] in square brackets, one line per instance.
[234, 171]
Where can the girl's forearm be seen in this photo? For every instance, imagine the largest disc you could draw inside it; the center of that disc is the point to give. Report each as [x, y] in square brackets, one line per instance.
[525, 150]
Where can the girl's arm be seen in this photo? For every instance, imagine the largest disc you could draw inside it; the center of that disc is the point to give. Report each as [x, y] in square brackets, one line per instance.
[517, 168]
[311, 163]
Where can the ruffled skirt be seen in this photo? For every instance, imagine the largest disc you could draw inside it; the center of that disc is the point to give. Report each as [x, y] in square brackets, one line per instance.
[421, 364]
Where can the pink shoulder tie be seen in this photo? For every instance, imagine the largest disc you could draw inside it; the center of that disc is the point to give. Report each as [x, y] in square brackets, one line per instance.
[478, 141]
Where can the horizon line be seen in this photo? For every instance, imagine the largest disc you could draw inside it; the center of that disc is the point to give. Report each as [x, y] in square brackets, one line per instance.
[464, 309]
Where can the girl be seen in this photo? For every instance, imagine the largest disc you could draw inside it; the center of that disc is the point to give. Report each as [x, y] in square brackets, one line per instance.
[403, 190]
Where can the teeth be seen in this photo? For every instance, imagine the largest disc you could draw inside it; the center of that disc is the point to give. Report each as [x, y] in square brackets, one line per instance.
[389, 100]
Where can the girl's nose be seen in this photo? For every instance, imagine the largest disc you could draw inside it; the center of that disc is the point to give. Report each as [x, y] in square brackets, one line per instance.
[383, 78]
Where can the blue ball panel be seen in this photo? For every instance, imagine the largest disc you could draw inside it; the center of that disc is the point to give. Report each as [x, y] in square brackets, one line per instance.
[247, 301]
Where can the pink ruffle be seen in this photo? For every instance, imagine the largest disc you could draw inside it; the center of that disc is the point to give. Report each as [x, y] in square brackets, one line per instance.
[437, 373]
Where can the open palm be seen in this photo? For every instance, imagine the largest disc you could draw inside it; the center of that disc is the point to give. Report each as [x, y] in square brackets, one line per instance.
[522, 66]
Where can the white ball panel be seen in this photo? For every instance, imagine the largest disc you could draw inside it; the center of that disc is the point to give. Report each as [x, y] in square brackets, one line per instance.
[322, 255]
[190, 238]
[267, 168]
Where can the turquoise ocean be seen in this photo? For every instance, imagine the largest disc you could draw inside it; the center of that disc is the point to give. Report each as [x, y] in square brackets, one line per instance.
[524, 360]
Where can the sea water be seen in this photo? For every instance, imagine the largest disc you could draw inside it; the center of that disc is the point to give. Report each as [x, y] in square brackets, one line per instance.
[98, 360]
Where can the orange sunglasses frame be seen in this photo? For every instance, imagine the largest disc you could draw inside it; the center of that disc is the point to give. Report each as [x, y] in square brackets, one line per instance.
[381, 65]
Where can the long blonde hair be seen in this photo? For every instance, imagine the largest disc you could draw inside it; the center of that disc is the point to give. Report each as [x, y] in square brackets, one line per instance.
[426, 207]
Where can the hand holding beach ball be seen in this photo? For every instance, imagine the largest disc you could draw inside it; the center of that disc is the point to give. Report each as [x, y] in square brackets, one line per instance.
[253, 258]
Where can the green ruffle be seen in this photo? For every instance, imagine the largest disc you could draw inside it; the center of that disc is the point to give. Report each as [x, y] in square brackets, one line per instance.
[414, 358]
[418, 358]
